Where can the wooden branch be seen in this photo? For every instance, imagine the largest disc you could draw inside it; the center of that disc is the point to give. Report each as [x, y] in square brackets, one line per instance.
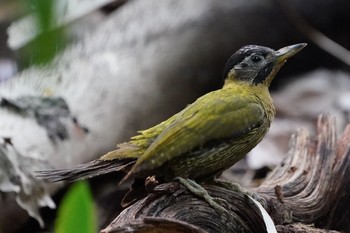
[312, 179]
[172, 201]
[308, 187]
[301, 228]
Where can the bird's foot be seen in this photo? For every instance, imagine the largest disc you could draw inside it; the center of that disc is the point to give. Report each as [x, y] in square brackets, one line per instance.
[229, 185]
[236, 187]
[198, 190]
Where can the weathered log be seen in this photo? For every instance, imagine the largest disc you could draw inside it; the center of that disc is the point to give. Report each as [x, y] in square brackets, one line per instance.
[301, 228]
[308, 187]
[171, 201]
[312, 180]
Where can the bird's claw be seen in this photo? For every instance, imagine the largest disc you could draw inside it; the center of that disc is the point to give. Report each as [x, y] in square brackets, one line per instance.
[238, 188]
[232, 186]
[198, 190]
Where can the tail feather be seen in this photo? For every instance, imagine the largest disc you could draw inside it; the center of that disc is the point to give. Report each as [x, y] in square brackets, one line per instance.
[86, 170]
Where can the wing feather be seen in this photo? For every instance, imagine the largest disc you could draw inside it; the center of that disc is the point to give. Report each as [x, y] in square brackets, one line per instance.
[213, 116]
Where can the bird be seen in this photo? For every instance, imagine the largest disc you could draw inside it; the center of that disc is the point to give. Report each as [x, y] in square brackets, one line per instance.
[206, 137]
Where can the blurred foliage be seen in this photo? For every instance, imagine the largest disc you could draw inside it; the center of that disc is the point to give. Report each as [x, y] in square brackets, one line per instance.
[50, 40]
[76, 212]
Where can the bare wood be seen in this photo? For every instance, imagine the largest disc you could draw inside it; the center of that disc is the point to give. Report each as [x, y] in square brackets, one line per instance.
[172, 201]
[308, 187]
[301, 228]
[312, 177]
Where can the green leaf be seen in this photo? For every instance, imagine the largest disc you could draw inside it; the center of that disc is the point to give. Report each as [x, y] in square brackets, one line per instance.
[50, 40]
[77, 211]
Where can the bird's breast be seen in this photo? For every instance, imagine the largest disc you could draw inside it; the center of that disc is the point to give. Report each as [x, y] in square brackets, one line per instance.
[218, 155]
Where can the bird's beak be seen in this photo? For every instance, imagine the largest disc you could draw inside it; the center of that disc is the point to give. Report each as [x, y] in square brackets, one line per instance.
[279, 57]
[285, 53]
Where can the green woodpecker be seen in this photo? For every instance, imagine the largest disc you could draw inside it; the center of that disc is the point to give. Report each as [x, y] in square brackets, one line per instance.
[206, 137]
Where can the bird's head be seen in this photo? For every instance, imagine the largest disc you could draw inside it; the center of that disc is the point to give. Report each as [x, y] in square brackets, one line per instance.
[256, 65]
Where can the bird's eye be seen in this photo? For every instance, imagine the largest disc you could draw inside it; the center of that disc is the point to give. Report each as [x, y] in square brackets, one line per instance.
[256, 59]
[244, 65]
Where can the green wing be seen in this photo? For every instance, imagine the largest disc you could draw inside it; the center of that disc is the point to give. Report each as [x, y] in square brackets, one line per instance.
[217, 115]
[146, 137]
[139, 143]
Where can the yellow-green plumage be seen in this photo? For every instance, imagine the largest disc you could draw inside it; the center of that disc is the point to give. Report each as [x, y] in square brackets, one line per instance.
[230, 145]
[215, 118]
[208, 136]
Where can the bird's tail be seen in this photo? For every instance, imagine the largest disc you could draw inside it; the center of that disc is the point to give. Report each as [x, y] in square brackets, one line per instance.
[87, 170]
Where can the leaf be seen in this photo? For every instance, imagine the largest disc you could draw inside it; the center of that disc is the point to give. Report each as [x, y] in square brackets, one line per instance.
[77, 211]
